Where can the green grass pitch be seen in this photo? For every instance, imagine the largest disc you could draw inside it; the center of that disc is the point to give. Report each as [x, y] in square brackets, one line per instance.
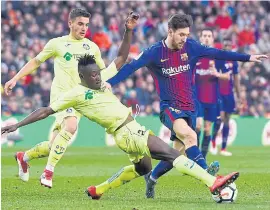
[82, 167]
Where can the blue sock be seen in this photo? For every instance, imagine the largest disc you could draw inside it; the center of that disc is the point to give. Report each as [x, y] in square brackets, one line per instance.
[161, 168]
[198, 138]
[195, 154]
[225, 134]
[215, 130]
[205, 145]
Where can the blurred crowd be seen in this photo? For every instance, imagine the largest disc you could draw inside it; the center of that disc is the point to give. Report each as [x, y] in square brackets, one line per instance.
[27, 26]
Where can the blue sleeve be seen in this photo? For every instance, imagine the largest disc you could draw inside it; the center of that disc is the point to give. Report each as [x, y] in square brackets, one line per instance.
[143, 59]
[199, 50]
[235, 67]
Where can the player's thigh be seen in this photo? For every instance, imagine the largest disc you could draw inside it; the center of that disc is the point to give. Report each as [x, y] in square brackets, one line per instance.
[184, 131]
[160, 150]
[222, 115]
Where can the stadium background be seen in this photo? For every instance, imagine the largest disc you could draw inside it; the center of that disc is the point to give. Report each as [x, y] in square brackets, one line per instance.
[27, 26]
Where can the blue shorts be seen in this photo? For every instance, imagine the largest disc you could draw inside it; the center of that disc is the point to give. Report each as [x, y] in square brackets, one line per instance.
[227, 103]
[209, 112]
[169, 114]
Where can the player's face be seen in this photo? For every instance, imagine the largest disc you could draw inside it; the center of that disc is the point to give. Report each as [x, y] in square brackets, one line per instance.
[78, 27]
[227, 45]
[93, 77]
[179, 37]
[207, 38]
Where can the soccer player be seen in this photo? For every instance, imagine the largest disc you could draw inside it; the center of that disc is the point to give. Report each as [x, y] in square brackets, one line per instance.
[65, 50]
[227, 98]
[207, 77]
[171, 63]
[97, 103]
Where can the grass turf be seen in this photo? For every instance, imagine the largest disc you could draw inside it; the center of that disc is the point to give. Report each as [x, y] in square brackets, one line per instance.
[82, 167]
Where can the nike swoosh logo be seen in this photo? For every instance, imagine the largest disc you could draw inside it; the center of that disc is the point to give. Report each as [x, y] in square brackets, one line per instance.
[163, 60]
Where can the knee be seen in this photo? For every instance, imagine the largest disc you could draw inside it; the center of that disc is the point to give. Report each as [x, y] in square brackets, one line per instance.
[143, 170]
[207, 129]
[71, 125]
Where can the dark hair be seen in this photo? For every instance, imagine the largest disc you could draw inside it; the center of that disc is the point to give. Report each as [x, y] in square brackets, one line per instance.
[86, 60]
[227, 39]
[180, 21]
[78, 13]
[207, 29]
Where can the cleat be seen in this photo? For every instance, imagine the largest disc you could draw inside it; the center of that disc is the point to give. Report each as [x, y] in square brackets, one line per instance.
[222, 181]
[213, 168]
[23, 166]
[91, 192]
[150, 186]
[46, 178]
[225, 153]
[213, 150]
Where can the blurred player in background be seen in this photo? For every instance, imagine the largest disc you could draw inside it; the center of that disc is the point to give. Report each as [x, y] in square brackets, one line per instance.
[171, 63]
[207, 77]
[227, 104]
[64, 50]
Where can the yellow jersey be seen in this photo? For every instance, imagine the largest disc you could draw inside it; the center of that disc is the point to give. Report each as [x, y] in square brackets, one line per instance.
[65, 52]
[100, 106]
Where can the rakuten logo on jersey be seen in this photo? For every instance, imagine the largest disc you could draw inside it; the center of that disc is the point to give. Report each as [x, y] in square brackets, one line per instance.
[203, 72]
[176, 70]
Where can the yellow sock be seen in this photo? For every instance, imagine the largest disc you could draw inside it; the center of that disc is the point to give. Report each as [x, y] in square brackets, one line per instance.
[40, 150]
[123, 176]
[187, 166]
[59, 147]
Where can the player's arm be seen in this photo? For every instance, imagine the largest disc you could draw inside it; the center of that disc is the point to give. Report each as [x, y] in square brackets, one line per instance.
[37, 115]
[123, 51]
[143, 59]
[31, 66]
[66, 101]
[220, 75]
[203, 51]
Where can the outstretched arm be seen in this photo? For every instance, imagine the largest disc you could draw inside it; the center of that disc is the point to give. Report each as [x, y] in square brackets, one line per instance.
[203, 51]
[37, 115]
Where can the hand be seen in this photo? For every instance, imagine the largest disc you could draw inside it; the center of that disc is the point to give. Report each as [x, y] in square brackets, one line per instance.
[108, 85]
[9, 129]
[214, 72]
[131, 21]
[9, 86]
[257, 58]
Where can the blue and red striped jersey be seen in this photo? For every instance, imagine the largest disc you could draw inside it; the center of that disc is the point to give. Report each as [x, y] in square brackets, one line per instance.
[173, 70]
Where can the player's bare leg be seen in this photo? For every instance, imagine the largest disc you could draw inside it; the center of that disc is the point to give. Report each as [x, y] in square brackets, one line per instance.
[58, 148]
[38, 151]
